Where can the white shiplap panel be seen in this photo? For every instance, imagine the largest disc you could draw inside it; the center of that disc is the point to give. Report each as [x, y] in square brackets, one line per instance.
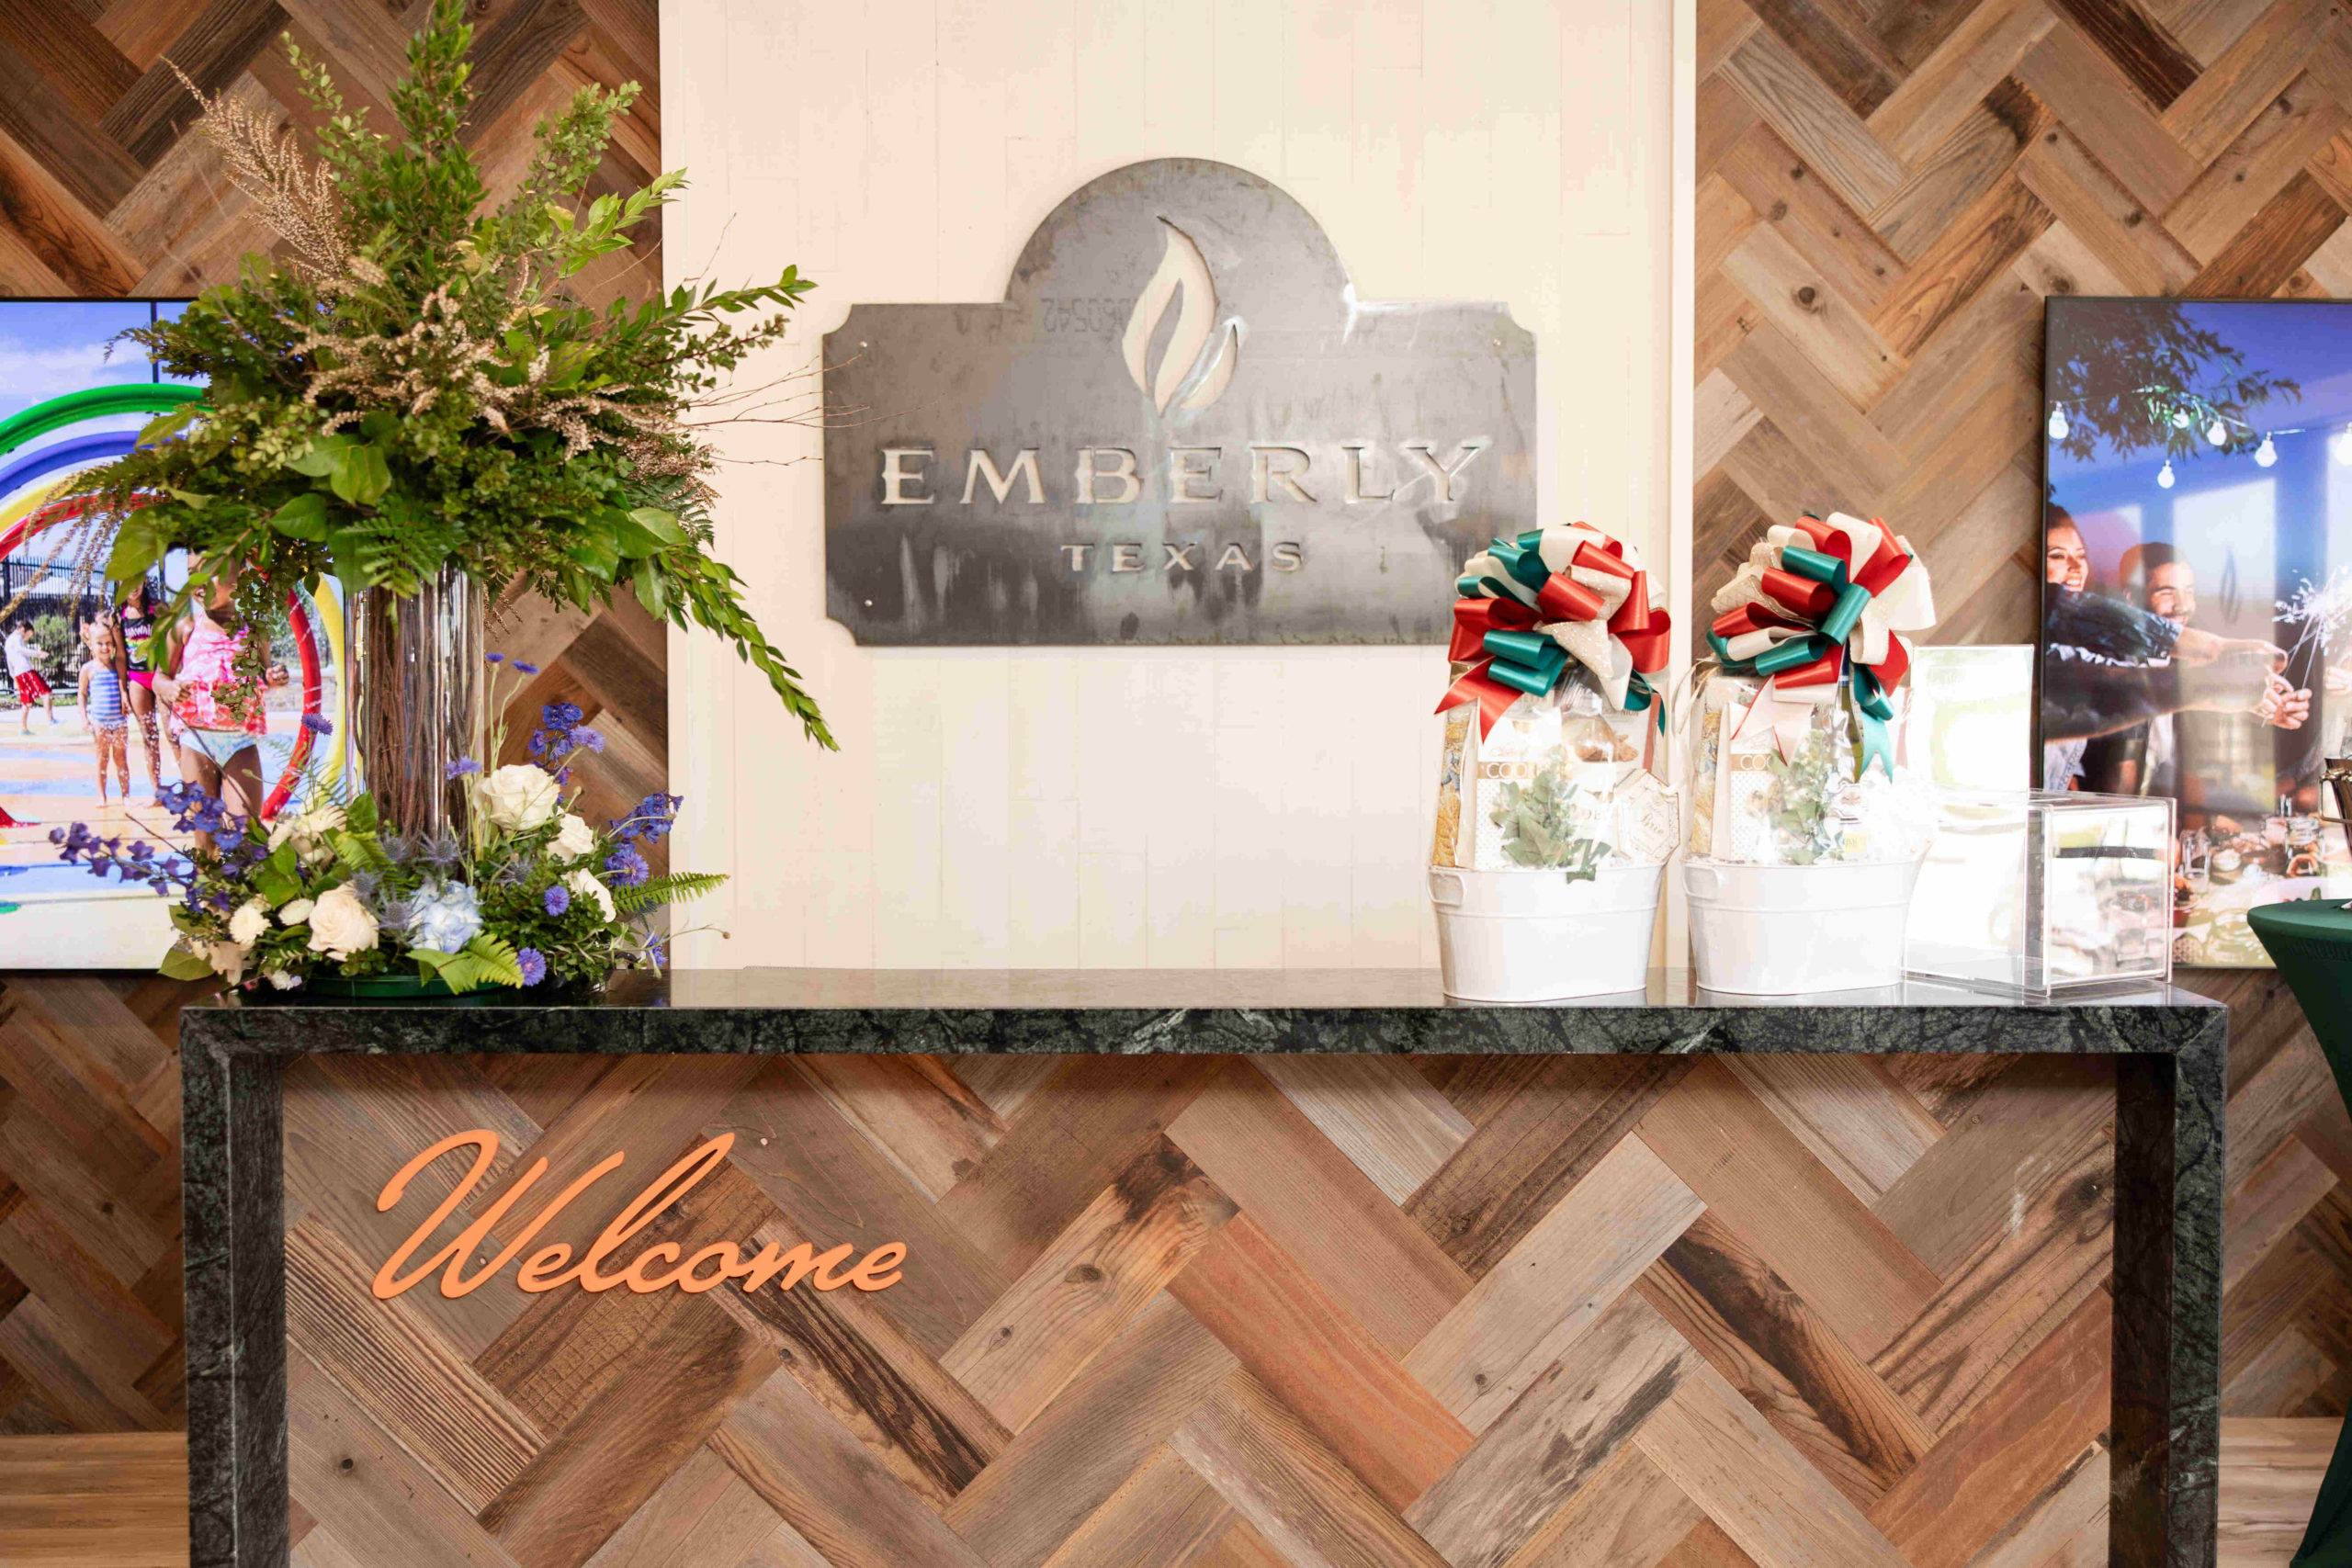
[1129, 807]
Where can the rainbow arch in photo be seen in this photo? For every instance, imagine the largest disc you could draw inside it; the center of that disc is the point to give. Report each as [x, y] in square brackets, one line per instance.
[43, 447]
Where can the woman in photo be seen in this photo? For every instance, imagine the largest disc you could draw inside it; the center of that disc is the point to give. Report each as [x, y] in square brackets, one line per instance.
[24, 668]
[101, 689]
[136, 621]
[220, 713]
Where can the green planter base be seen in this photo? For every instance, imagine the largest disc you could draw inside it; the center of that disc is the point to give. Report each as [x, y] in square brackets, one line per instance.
[407, 989]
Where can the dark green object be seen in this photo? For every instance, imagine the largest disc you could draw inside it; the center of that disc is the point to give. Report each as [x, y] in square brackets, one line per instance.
[386, 989]
[2312, 943]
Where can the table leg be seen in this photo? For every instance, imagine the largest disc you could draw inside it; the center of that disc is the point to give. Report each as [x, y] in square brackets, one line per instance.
[2166, 1428]
[232, 1201]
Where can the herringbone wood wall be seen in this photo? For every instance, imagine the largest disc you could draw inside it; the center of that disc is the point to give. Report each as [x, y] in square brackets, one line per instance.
[1888, 190]
[1325, 1310]
[101, 193]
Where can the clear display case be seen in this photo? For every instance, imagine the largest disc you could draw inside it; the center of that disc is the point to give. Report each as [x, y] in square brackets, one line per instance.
[2040, 894]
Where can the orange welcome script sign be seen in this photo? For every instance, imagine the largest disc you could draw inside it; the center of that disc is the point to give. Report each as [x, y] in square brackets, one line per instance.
[657, 1267]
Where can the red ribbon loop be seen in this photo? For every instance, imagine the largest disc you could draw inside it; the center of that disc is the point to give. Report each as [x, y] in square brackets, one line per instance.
[1802, 595]
[1473, 618]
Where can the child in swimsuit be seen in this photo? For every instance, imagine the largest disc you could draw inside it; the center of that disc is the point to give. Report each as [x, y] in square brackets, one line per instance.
[136, 620]
[102, 709]
[220, 712]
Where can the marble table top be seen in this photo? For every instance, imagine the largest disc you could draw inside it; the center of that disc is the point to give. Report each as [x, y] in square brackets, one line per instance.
[1126, 1011]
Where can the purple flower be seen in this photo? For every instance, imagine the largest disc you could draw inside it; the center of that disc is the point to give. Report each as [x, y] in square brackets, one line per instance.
[649, 820]
[629, 867]
[526, 669]
[584, 737]
[557, 900]
[459, 768]
[318, 724]
[533, 963]
[495, 657]
[559, 715]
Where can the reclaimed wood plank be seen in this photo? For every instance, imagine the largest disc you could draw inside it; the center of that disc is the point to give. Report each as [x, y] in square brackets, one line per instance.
[883, 1388]
[704, 1514]
[1972, 254]
[1947, 87]
[1568, 1424]
[2246, 175]
[1986, 1470]
[2151, 63]
[1068, 1461]
[2237, 87]
[1736, 1156]
[2300, 218]
[1629, 1514]
[825, 1484]
[1768, 1344]
[1948, 179]
[1306, 1350]
[1319, 1208]
[1378, 1111]
[1553, 1287]
[1847, 59]
[1808, 408]
[1164, 1516]
[1083, 1290]
[1091, 1119]
[1752, 1485]
[914, 1110]
[2262, 1210]
[1297, 1493]
[1855, 1118]
[2099, 105]
[1559, 1117]
[1813, 120]
[1833, 335]
[832, 1183]
[1998, 1306]
[413, 1380]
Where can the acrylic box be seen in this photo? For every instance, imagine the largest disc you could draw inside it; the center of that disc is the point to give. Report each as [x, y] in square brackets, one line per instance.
[2040, 894]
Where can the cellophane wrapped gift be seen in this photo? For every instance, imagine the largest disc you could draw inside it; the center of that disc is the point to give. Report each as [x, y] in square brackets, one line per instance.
[1561, 781]
[1751, 804]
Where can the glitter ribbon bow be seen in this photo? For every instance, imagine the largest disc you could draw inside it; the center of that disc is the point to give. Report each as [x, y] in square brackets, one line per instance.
[1530, 604]
[1817, 610]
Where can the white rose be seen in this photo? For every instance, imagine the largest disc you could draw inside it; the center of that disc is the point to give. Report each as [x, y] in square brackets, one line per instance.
[585, 886]
[519, 798]
[573, 838]
[340, 924]
[247, 924]
[228, 959]
[294, 914]
[283, 980]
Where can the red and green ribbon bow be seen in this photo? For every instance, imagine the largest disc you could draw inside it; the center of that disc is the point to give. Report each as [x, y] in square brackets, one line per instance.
[1817, 610]
[1531, 605]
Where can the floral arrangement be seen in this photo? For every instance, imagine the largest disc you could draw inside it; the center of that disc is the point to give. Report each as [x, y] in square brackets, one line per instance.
[530, 894]
[412, 383]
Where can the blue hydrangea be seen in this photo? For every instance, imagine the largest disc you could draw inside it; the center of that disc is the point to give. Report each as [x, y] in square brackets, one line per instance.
[443, 917]
[533, 965]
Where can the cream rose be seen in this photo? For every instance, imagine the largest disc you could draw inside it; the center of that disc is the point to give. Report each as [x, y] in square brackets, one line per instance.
[246, 926]
[519, 798]
[573, 838]
[585, 886]
[294, 914]
[228, 959]
[308, 832]
[340, 924]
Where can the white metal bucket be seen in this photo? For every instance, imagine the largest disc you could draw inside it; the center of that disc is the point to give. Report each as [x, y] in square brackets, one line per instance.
[1535, 936]
[1777, 930]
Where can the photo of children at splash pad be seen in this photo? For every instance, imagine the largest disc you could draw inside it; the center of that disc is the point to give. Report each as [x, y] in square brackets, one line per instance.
[112, 709]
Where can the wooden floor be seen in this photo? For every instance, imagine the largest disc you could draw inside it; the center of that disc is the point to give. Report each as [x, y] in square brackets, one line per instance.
[121, 1501]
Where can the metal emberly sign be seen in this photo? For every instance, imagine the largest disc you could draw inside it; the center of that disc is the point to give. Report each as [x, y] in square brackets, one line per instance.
[1181, 426]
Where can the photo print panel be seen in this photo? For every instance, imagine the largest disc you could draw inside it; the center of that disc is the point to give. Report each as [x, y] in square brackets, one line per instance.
[85, 745]
[2195, 638]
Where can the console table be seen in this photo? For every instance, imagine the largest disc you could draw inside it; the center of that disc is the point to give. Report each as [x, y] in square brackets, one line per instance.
[1430, 1392]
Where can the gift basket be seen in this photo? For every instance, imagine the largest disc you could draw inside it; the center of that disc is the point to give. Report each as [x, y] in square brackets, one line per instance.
[1553, 831]
[1806, 828]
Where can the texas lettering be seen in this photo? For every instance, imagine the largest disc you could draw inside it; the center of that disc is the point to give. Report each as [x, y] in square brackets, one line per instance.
[662, 1265]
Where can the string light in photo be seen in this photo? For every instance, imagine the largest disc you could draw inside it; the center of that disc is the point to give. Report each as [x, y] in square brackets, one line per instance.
[2219, 429]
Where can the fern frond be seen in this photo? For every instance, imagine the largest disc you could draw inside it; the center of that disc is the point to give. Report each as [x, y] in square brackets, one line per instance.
[674, 888]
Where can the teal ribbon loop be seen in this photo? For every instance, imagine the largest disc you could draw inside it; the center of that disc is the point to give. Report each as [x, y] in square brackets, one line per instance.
[1873, 713]
[1839, 625]
[1534, 679]
[1790, 654]
[1639, 694]
[1523, 559]
[1817, 565]
[1525, 648]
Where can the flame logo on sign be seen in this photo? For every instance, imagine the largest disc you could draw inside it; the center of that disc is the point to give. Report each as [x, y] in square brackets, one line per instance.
[1196, 352]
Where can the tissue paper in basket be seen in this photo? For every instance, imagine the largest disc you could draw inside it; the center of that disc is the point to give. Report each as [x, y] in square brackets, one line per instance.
[1752, 804]
[1547, 736]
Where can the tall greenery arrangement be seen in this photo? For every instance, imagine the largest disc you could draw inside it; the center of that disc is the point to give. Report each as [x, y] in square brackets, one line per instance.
[411, 382]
